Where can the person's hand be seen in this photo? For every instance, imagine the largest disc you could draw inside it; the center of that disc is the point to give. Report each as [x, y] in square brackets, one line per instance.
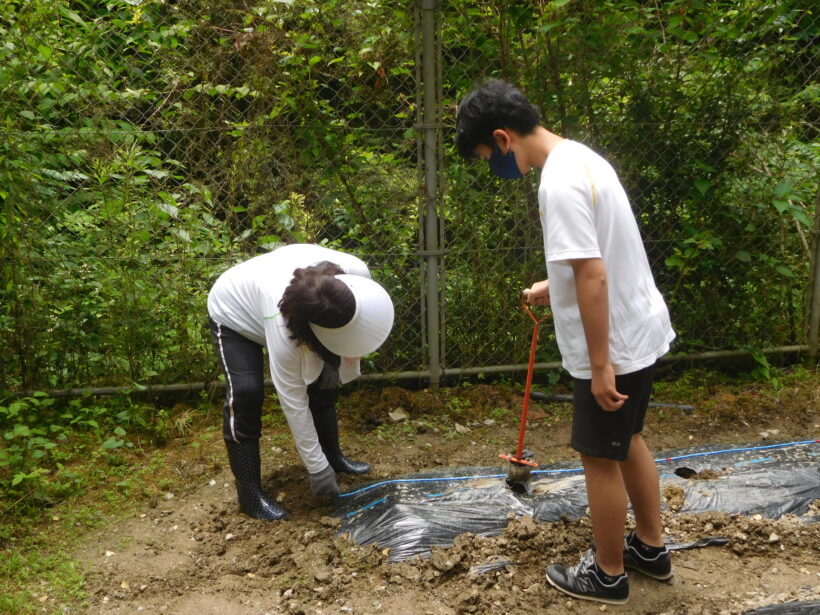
[324, 483]
[538, 293]
[604, 391]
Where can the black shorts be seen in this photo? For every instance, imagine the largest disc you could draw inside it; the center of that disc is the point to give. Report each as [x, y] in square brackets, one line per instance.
[598, 433]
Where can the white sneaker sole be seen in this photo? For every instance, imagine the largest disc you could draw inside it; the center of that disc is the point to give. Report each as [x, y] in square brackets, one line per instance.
[615, 601]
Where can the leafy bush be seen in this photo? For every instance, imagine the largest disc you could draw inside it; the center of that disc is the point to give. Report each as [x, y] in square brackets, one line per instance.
[147, 146]
[45, 443]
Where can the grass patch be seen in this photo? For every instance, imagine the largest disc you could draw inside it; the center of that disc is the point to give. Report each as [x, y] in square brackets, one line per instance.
[35, 582]
[95, 472]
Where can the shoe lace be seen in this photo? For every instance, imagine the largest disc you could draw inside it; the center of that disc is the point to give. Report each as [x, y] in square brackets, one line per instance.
[585, 565]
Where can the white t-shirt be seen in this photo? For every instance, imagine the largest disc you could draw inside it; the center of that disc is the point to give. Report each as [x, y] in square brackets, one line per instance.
[246, 298]
[585, 213]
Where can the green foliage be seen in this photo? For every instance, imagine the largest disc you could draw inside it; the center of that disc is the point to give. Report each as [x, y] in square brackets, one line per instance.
[136, 121]
[54, 575]
[500, 414]
[147, 146]
[44, 441]
[701, 107]
[763, 370]
[120, 199]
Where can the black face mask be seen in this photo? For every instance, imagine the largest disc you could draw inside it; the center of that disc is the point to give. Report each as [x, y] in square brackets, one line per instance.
[504, 165]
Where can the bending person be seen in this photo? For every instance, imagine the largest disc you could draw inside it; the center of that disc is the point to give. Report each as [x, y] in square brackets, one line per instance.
[317, 311]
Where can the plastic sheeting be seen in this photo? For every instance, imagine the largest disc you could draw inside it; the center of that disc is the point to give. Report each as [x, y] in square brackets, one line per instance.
[789, 608]
[413, 513]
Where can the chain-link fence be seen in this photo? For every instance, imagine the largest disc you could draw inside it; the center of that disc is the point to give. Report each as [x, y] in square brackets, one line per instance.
[707, 110]
[148, 145]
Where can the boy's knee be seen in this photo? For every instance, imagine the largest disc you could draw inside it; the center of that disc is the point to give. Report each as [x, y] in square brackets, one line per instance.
[602, 463]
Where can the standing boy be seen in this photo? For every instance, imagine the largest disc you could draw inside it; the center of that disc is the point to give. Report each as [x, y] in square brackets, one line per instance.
[611, 324]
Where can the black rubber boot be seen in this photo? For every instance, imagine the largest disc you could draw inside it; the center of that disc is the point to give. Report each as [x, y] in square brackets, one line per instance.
[323, 408]
[246, 468]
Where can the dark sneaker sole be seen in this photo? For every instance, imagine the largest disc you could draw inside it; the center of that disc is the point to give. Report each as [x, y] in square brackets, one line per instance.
[653, 575]
[614, 601]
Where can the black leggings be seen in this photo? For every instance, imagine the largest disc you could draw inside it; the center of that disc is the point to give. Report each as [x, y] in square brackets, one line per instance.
[242, 363]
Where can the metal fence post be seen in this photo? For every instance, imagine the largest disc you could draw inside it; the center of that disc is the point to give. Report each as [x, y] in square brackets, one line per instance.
[814, 297]
[429, 128]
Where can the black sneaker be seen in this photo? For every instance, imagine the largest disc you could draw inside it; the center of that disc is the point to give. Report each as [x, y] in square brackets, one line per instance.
[654, 562]
[588, 582]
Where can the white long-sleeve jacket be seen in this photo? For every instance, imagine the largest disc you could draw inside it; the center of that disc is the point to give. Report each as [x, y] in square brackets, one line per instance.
[246, 297]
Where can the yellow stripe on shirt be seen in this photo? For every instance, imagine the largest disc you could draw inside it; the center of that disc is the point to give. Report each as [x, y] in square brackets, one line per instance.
[591, 183]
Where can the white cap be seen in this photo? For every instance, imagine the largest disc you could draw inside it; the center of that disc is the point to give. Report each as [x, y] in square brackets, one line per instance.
[370, 325]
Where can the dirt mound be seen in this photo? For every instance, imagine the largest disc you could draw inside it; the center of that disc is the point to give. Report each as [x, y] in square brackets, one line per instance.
[191, 553]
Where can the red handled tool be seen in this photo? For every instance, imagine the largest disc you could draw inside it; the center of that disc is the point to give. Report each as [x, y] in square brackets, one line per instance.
[521, 463]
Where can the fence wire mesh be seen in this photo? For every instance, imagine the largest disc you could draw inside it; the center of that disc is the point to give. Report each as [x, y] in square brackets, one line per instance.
[148, 145]
[706, 109]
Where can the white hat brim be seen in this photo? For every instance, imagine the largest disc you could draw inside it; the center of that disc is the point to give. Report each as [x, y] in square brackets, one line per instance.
[371, 323]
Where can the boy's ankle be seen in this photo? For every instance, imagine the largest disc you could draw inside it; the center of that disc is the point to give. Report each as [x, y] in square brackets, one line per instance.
[634, 540]
[608, 577]
[652, 561]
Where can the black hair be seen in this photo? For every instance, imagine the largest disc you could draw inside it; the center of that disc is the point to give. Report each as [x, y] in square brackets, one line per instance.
[316, 296]
[490, 106]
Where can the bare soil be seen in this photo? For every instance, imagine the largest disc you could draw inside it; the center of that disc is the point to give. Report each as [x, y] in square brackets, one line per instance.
[189, 552]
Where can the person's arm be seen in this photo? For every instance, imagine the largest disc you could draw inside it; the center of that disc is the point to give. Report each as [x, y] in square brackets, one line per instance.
[593, 303]
[291, 390]
[293, 397]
